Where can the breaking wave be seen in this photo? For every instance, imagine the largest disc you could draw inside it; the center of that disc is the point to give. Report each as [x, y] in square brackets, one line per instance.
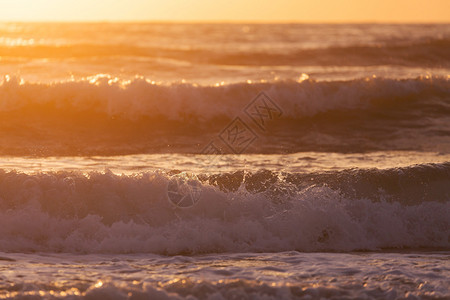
[365, 209]
[104, 115]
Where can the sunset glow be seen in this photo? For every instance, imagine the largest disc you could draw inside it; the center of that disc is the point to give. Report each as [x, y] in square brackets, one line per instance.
[224, 149]
[227, 10]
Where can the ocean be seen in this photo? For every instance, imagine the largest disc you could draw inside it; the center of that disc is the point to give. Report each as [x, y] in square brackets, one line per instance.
[224, 161]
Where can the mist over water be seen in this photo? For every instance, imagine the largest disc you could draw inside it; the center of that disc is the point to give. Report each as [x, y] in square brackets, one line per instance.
[124, 171]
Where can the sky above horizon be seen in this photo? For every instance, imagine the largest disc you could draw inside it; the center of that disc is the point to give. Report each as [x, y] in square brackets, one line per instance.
[227, 10]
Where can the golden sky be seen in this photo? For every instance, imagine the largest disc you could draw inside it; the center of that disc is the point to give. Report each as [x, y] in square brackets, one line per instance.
[227, 10]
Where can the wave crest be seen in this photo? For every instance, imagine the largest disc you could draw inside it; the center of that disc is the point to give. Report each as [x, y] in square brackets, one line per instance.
[107, 213]
[104, 115]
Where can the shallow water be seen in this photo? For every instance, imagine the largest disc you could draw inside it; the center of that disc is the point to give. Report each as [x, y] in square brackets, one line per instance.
[283, 275]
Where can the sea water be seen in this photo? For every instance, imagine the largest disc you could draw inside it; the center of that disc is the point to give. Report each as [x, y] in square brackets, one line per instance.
[224, 161]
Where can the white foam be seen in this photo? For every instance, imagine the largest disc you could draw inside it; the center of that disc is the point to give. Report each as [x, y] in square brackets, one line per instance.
[106, 213]
[145, 98]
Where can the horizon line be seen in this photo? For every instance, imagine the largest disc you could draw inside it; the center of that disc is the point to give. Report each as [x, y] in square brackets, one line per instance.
[231, 21]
